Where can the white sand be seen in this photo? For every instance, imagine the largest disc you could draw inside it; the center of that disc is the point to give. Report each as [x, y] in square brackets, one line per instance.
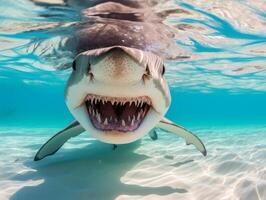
[235, 167]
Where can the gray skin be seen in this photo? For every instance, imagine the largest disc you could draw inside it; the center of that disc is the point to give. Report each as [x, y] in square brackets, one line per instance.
[106, 23]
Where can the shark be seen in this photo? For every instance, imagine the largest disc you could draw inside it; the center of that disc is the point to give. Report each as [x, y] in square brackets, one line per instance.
[117, 91]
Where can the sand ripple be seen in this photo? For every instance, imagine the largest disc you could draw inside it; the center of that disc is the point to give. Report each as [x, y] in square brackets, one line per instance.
[163, 169]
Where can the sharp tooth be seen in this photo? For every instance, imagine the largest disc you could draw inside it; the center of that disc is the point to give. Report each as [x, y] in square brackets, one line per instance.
[138, 116]
[116, 120]
[99, 118]
[93, 113]
[133, 120]
[141, 103]
[130, 102]
[129, 118]
[105, 121]
[123, 123]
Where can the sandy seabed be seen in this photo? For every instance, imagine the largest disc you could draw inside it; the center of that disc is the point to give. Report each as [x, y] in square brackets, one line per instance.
[235, 167]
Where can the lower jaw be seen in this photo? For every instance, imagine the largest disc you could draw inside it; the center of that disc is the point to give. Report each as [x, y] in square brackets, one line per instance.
[124, 137]
[110, 128]
[115, 127]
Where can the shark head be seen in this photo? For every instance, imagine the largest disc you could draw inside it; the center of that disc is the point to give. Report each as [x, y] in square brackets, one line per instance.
[118, 94]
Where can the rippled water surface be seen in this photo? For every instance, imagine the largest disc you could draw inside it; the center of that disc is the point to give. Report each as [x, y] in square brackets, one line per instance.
[215, 66]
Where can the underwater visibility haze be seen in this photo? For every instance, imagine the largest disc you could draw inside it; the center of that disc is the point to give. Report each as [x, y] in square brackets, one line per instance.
[214, 55]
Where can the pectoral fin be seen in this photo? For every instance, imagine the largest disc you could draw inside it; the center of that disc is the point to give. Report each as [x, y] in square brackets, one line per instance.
[54, 143]
[187, 135]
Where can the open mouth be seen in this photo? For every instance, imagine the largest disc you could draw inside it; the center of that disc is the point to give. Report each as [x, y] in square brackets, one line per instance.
[117, 113]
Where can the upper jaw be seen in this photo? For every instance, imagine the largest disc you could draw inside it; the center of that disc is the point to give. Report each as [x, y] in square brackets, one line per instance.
[139, 100]
[122, 114]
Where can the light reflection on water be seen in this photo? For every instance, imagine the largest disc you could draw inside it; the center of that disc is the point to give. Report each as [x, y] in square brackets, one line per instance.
[220, 45]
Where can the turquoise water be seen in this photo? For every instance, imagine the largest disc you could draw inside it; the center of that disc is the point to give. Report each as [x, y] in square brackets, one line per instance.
[222, 83]
[40, 105]
[218, 88]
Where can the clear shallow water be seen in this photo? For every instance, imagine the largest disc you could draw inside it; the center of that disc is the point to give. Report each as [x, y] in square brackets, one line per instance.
[85, 168]
[218, 85]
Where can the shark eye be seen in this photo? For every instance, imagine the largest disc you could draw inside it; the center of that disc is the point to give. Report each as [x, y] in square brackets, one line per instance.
[147, 71]
[89, 73]
[74, 65]
[147, 74]
[89, 69]
[163, 70]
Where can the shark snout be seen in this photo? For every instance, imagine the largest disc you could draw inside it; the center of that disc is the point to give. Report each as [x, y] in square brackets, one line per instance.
[117, 67]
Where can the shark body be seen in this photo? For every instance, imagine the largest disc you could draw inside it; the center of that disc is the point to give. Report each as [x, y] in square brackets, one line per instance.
[117, 91]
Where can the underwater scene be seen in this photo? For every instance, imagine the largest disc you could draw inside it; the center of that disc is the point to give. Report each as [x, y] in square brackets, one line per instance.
[118, 80]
